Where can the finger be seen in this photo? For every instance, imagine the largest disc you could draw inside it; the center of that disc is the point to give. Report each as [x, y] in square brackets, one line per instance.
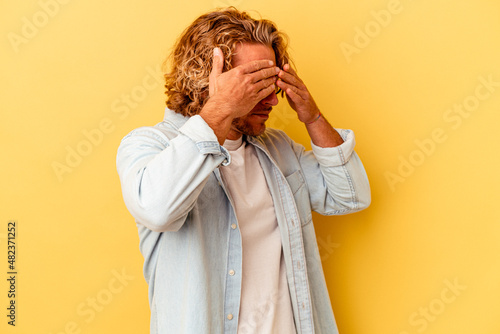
[266, 92]
[218, 62]
[217, 66]
[292, 91]
[296, 98]
[289, 69]
[289, 78]
[256, 65]
[265, 73]
[265, 83]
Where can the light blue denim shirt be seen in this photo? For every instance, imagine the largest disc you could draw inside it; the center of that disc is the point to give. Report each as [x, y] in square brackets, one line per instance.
[189, 233]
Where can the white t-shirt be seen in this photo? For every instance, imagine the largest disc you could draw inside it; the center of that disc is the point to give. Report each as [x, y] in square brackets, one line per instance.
[265, 300]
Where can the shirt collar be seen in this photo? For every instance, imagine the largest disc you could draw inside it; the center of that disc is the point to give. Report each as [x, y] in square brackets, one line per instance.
[233, 145]
[178, 120]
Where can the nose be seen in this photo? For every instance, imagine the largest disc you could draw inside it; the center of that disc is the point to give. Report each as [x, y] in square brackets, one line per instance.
[270, 100]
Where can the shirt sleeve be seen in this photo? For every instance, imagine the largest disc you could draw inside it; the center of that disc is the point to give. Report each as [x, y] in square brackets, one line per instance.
[335, 176]
[336, 156]
[162, 172]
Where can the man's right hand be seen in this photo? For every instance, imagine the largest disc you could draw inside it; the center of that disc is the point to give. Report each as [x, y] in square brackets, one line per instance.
[242, 87]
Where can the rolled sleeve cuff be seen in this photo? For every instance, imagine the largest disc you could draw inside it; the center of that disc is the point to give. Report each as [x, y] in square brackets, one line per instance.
[336, 156]
[204, 137]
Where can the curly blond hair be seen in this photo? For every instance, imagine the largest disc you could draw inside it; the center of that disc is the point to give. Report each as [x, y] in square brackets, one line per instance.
[190, 62]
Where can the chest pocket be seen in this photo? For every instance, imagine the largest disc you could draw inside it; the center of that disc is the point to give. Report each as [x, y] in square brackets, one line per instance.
[300, 192]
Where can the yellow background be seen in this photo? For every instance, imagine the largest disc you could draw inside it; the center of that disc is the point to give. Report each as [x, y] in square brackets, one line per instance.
[386, 267]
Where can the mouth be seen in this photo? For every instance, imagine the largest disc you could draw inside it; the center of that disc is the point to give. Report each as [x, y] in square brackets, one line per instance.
[263, 114]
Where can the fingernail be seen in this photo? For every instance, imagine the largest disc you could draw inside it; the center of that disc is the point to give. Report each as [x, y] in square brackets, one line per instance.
[271, 63]
[278, 70]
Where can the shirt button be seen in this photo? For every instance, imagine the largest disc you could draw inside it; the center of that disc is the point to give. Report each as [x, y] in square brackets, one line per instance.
[231, 272]
[233, 226]
[229, 316]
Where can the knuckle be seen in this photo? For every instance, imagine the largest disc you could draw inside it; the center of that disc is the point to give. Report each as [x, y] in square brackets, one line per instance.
[247, 80]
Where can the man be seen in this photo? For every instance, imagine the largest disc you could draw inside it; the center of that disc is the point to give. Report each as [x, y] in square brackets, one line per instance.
[223, 205]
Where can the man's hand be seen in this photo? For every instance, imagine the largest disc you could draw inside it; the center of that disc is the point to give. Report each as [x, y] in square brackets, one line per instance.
[238, 90]
[297, 95]
[321, 132]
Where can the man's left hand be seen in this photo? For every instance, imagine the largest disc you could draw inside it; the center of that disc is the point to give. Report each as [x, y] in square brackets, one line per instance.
[297, 95]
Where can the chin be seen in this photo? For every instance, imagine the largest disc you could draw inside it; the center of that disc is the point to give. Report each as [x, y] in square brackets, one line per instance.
[244, 127]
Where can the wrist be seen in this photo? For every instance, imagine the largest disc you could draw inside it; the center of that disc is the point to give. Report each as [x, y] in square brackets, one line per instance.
[314, 119]
[217, 118]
